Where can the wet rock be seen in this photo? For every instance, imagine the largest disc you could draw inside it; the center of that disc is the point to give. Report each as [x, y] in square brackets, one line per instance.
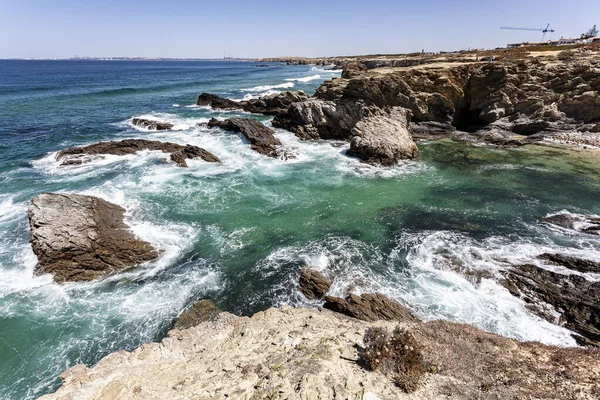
[179, 153]
[152, 124]
[384, 139]
[578, 222]
[268, 105]
[313, 284]
[574, 298]
[369, 307]
[431, 130]
[570, 262]
[261, 138]
[530, 128]
[200, 311]
[82, 238]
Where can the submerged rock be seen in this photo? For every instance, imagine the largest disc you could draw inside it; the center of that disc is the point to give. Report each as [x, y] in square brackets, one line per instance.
[369, 307]
[152, 124]
[578, 222]
[384, 139]
[313, 284]
[82, 238]
[200, 311]
[261, 138]
[179, 153]
[572, 297]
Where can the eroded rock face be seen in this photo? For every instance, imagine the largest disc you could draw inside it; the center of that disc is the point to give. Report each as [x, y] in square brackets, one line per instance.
[384, 139]
[261, 138]
[268, 105]
[313, 284]
[179, 153]
[152, 124]
[574, 298]
[200, 311]
[82, 238]
[369, 307]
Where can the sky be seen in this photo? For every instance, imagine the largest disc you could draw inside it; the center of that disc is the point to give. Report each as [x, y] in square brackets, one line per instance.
[260, 28]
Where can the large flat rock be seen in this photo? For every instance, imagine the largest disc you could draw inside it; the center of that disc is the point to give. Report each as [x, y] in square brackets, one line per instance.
[261, 138]
[82, 238]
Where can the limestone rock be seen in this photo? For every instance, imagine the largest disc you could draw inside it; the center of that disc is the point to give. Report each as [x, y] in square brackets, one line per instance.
[82, 238]
[384, 139]
[313, 284]
[200, 311]
[152, 124]
[353, 69]
[261, 138]
[179, 153]
[369, 307]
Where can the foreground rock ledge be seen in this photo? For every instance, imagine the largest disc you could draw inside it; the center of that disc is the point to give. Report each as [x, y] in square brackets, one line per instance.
[310, 354]
[179, 153]
[82, 238]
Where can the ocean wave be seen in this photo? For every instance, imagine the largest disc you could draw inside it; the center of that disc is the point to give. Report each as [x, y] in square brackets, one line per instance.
[305, 79]
[264, 88]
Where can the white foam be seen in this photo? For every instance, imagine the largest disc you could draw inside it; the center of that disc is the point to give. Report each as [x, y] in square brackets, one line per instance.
[304, 79]
[264, 88]
[179, 123]
[9, 211]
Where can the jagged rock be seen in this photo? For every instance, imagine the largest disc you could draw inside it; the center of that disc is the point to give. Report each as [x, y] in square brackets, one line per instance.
[574, 263]
[152, 124]
[313, 284]
[200, 311]
[383, 139]
[530, 128]
[582, 223]
[268, 105]
[179, 153]
[576, 299]
[82, 238]
[353, 69]
[431, 130]
[261, 138]
[369, 307]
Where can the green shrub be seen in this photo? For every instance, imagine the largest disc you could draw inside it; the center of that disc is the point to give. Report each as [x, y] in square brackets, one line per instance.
[397, 355]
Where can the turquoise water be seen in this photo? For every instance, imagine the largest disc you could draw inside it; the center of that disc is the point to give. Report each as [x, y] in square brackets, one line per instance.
[238, 233]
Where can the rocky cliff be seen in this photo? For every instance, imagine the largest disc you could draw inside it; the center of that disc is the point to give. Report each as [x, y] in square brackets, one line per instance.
[317, 354]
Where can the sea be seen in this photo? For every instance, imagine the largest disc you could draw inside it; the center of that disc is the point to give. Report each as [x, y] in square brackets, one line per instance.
[435, 233]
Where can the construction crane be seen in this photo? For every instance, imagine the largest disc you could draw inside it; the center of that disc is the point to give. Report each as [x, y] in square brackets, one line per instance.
[544, 30]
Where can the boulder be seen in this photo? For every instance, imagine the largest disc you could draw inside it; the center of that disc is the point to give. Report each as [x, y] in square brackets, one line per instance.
[261, 138]
[313, 284]
[200, 311]
[353, 69]
[384, 139]
[574, 298]
[570, 262]
[179, 153]
[369, 307]
[152, 124]
[82, 238]
[578, 222]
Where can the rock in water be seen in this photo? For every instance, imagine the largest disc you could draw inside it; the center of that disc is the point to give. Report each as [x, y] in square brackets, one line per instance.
[179, 153]
[152, 124]
[268, 105]
[214, 101]
[261, 138]
[313, 284]
[574, 263]
[201, 311]
[82, 238]
[369, 307]
[582, 223]
[384, 139]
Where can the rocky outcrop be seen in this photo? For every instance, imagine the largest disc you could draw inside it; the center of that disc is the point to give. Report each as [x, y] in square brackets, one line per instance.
[152, 124]
[369, 307]
[200, 311]
[311, 354]
[578, 222]
[572, 263]
[353, 69]
[575, 299]
[82, 238]
[261, 138]
[313, 284]
[384, 139]
[269, 105]
[179, 153]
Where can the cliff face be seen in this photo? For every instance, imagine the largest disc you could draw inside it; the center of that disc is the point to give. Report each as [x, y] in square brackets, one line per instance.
[315, 354]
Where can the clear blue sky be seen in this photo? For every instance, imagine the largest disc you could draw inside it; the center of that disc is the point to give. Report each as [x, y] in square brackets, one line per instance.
[260, 28]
